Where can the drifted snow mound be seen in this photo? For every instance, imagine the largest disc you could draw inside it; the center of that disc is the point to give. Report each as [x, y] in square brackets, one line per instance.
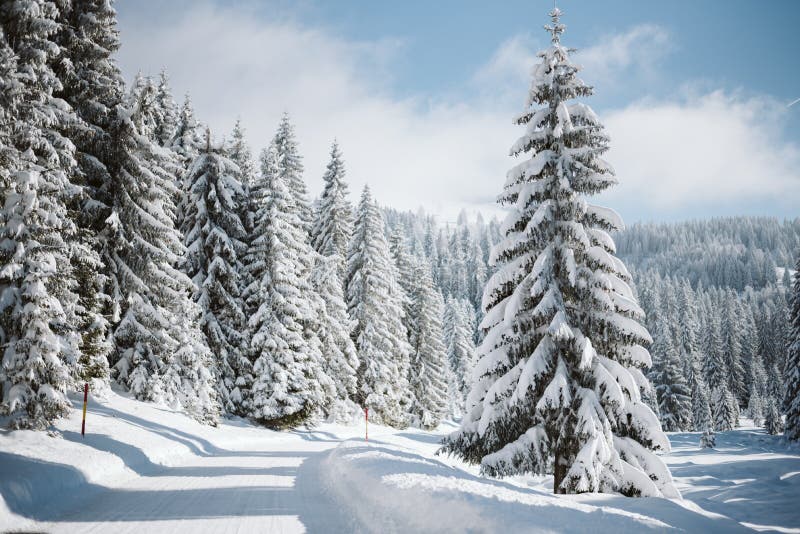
[392, 489]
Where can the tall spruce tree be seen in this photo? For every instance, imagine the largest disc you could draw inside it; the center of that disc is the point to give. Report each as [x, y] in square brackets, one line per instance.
[374, 301]
[460, 349]
[758, 391]
[674, 396]
[37, 285]
[791, 399]
[167, 122]
[702, 418]
[214, 237]
[333, 224]
[93, 86]
[340, 359]
[559, 377]
[773, 420]
[429, 373]
[289, 385]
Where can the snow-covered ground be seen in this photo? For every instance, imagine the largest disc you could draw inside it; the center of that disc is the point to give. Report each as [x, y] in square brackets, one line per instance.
[143, 468]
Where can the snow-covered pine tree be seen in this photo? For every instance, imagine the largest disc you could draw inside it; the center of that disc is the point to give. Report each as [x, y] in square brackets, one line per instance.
[724, 406]
[10, 94]
[428, 373]
[758, 390]
[374, 302]
[187, 138]
[333, 223]
[186, 143]
[702, 418]
[558, 381]
[726, 409]
[460, 349]
[773, 420]
[92, 86]
[167, 122]
[289, 385]
[476, 271]
[160, 352]
[708, 440]
[338, 350]
[791, 399]
[732, 333]
[214, 237]
[290, 169]
[239, 152]
[402, 260]
[37, 285]
[674, 396]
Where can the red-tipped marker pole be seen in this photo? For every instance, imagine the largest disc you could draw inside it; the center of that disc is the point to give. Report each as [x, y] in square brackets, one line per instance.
[85, 400]
[366, 424]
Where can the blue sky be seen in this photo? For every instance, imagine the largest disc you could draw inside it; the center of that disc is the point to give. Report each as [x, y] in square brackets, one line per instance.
[733, 43]
[420, 94]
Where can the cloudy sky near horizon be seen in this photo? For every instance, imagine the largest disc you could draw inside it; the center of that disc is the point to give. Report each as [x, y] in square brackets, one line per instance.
[695, 95]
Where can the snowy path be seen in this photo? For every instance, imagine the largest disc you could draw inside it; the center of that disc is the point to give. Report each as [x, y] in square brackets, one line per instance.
[229, 491]
[245, 491]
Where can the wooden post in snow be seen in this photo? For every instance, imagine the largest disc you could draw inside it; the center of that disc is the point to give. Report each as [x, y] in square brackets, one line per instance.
[85, 400]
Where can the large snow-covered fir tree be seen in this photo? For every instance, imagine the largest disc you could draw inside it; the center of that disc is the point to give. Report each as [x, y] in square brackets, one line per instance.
[558, 382]
[215, 240]
[37, 285]
[429, 372]
[374, 301]
[290, 386]
[333, 224]
[791, 400]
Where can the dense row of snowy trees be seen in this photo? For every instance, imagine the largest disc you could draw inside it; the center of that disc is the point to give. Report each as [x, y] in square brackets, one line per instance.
[136, 248]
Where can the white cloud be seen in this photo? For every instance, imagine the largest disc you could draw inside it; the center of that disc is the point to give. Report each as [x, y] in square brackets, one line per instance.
[451, 153]
[703, 152]
[637, 50]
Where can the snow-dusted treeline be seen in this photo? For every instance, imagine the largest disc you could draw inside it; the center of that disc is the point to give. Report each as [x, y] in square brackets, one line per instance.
[731, 252]
[696, 315]
[137, 248]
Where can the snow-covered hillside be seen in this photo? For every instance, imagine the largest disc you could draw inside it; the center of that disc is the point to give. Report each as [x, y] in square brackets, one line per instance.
[143, 468]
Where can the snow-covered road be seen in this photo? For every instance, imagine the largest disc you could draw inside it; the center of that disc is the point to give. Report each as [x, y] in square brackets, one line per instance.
[226, 491]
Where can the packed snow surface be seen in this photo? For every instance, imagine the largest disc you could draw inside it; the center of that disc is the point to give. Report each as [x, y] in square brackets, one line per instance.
[143, 468]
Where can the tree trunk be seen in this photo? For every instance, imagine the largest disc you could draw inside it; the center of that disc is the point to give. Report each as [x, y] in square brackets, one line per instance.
[559, 472]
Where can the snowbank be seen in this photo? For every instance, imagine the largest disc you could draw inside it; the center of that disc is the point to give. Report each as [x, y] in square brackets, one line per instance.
[392, 488]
